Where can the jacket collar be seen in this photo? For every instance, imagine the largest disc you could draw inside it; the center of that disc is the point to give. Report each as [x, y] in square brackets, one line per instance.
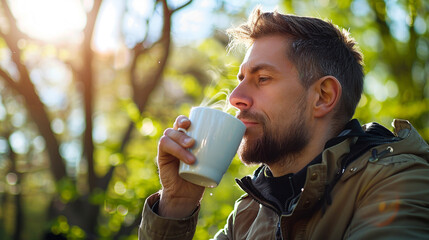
[256, 186]
[319, 177]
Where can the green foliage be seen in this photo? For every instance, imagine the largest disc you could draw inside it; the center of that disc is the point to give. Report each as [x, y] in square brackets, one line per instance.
[61, 227]
[396, 86]
[67, 190]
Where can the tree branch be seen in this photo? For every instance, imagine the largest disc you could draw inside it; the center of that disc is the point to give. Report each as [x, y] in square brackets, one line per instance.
[90, 23]
[143, 92]
[12, 21]
[9, 80]
[87, 78]
[34, 105]
[143, 89]
[180, 7]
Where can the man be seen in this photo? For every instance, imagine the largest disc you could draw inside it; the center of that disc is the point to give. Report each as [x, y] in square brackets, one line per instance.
[322, 175]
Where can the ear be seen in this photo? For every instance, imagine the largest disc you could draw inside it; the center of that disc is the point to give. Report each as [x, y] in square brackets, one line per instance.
[327, 93]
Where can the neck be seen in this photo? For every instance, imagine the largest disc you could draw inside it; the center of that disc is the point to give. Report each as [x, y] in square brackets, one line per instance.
[295, 162]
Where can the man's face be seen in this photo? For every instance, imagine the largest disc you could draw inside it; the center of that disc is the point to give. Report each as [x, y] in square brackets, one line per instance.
[272, 103]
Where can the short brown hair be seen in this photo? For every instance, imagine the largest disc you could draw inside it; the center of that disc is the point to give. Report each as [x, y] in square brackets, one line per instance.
[317, 48]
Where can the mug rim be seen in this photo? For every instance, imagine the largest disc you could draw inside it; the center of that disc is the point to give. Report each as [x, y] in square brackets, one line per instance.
[220, 111]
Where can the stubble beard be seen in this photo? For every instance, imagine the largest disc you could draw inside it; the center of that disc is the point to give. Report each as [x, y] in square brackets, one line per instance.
[275, 144]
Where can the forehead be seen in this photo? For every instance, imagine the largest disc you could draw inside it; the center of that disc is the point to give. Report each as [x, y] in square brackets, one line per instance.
[272, 50]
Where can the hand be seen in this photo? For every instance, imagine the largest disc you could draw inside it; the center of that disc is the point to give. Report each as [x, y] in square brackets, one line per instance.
[179, 198]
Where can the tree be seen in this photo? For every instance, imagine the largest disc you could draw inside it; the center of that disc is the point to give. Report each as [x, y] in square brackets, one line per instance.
[77, 208]
[62, 174]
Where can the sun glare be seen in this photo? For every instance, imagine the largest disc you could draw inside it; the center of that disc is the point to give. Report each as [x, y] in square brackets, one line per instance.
[49, 20]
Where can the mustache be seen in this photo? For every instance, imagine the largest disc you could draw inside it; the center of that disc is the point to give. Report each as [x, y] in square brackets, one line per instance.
[251, 116]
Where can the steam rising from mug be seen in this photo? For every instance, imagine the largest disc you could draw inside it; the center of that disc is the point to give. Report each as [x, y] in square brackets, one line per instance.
[219, 101]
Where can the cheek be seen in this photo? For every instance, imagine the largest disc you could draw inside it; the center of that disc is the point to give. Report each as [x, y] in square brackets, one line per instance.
[281, 124]
[281, 105]
[277, 123]
[282, 116]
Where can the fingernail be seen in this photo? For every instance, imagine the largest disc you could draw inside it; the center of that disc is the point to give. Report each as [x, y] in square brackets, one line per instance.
[187, 141]
[183, 120]
[191, 160]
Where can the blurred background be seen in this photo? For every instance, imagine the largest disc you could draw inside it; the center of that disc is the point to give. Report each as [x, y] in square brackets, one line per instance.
[88, 86]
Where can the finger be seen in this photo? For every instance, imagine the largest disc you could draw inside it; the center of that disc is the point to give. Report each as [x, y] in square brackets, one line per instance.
[182, 122]
[169, 146]
[180, 137]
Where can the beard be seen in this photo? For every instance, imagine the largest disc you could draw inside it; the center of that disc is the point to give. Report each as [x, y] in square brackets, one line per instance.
[276, 143]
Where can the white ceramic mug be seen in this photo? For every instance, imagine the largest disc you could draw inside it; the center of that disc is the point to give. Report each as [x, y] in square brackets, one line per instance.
[217, 137]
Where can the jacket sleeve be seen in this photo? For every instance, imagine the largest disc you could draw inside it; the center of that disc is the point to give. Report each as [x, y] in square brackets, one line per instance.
[395, 202]
[156, 227]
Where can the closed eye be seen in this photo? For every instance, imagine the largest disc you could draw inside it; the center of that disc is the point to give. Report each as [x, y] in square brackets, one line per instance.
[263, 79]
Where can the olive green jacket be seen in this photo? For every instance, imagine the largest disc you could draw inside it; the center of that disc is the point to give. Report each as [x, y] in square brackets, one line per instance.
[379, 196]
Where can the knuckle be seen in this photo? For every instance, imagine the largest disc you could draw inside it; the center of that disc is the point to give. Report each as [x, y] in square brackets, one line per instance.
[163, 140]
[168, 131]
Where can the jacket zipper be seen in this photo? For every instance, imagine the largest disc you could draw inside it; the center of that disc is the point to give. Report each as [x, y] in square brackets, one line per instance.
[289, 203]
[261, 201]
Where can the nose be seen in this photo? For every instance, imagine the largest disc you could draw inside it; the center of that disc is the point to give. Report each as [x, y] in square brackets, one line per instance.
[240, 97]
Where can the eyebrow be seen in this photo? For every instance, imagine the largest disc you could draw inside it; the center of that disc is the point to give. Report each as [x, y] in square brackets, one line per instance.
[261, 66]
